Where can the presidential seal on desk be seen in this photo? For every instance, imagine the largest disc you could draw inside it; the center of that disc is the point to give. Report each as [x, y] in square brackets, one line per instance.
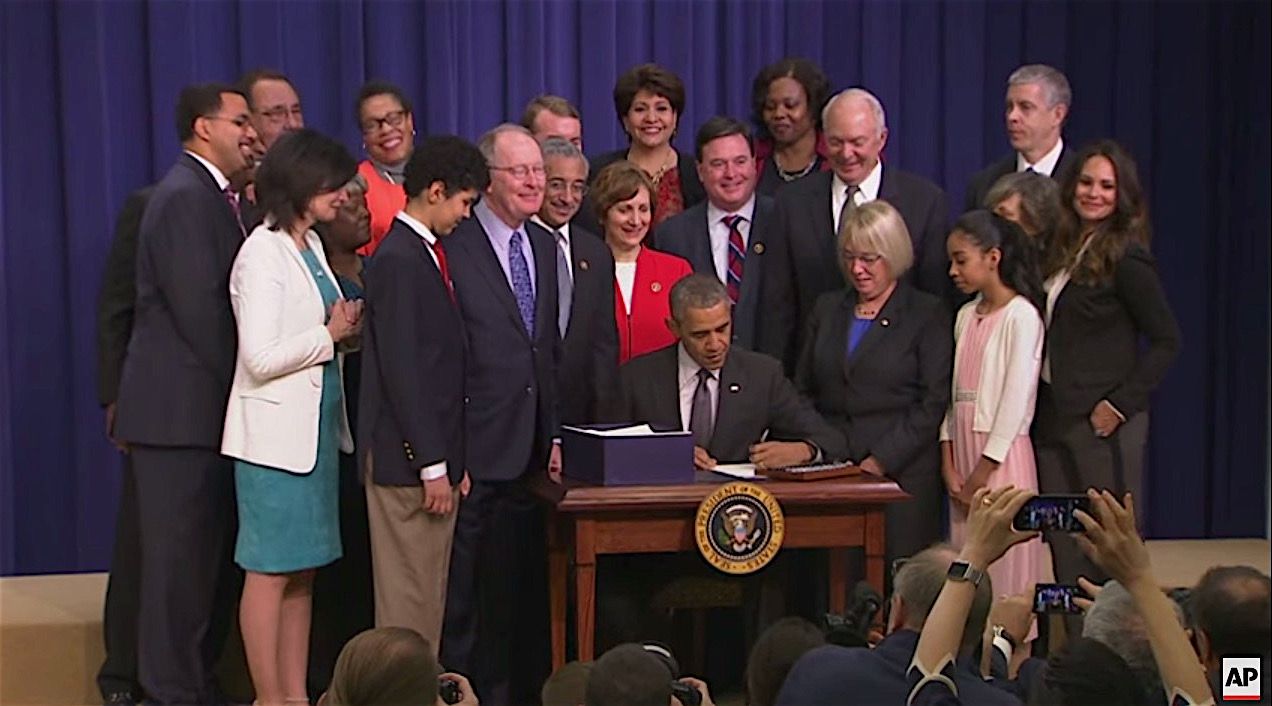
[739, 528]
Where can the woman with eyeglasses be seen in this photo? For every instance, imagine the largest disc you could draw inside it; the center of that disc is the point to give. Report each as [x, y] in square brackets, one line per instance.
[623, 197]
[877, 362]
[343, 600]
[649, 101]
[388, 135]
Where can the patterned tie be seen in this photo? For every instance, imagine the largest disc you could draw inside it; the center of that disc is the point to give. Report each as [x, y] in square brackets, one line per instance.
[565, 285]
[701, 416]
[440, 253]
[232, 200]
[521, 287]
[737, 255]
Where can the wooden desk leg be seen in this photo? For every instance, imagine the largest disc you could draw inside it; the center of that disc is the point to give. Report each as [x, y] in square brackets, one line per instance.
[558, 569]
[585, 588]
[875, 548]
[837, 570]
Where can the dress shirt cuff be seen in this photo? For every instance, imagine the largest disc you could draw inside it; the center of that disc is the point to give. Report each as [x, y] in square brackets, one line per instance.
[817, 452]
[1002, 645]
[1116, 411]
[433, 472]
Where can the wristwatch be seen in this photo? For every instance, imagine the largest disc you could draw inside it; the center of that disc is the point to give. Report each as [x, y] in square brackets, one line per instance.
[963, 571]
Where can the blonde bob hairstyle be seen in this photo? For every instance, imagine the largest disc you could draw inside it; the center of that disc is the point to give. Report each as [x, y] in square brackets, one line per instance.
[876, 227]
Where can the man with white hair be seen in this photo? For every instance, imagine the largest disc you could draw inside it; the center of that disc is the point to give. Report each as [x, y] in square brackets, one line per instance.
[1037, 105]
[802, 262]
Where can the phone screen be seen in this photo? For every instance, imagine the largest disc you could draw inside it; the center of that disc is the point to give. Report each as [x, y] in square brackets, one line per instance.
[1056, 598]
[1051, 512]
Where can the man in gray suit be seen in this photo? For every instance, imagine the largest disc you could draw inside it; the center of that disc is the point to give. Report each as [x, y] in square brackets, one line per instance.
[184, 335]
[737, 403]
[724, 236]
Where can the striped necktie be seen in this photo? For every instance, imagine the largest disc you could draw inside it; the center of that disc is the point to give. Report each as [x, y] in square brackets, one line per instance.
[737, 256]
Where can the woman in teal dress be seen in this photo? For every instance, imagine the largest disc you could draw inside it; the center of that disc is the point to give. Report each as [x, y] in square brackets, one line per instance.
[286, 423]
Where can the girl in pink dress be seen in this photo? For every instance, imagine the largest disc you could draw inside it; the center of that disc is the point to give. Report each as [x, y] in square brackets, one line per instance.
[997, 355]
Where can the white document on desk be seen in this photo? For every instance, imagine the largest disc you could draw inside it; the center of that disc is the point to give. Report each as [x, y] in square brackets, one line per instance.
[635, 430]
[736, 470]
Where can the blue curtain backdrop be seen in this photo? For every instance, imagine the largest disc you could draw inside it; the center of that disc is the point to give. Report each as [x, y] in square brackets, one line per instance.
[86, 117]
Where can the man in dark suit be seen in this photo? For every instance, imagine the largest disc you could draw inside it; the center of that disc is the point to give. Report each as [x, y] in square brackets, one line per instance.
[737, 403]
[803, 245]
[843, 676]
[504, 270]
[1038, 100]
[585, 289]
[548, 116]
[724, 235]
[184, 335]
[411, 422]
[117, 678]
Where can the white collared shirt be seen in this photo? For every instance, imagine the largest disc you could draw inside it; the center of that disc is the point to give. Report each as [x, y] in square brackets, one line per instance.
[867, 191]
[222, 181]
[719, 234]
[422, 231]
[435, 470]
[562, 237]
[688, 381]
[1045, 166]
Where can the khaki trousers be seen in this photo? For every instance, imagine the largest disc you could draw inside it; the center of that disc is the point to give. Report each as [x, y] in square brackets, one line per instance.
[410, 559]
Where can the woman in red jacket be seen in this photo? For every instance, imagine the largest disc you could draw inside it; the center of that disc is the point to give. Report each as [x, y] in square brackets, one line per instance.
[388, 136]
[642, 277]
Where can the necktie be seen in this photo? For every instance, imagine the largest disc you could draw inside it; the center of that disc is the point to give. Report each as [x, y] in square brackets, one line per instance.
[565, 285]
[232, 200]
[850, 205]
[737, 255]
[1031, 170]
[701, 415]
[521, 287]
[440, 253]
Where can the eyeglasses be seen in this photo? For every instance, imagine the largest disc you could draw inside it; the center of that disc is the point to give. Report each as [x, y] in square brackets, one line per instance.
[521, 171]
[864, 258]
[576, 188]
[240, 122]
[280, 113]
[394, 119]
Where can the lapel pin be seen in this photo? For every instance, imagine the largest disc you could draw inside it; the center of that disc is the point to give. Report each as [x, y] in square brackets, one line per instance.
[583, 265]
[758, 248]
[884, 322]
[734, 387]
[656, 287]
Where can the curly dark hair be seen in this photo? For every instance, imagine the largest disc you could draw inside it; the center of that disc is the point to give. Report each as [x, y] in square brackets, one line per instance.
[806, 73]
[652, 78]
[1127, 225]
[454, 161]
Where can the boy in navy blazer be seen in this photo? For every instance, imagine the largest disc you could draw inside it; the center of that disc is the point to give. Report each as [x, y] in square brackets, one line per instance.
[411, 425]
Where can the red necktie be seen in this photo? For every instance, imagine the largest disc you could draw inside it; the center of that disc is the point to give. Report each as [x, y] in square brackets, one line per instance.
[737, 254]
[440, 253]
[232, 199]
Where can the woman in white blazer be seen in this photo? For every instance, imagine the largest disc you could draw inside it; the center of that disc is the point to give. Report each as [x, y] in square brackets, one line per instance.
[997, 354]
[286, 418]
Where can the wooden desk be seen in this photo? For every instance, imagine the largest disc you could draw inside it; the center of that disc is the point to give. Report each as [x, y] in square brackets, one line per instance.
[589, 521]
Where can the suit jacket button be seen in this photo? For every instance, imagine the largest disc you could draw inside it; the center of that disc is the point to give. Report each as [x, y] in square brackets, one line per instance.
[529, 390]
[466, 399]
